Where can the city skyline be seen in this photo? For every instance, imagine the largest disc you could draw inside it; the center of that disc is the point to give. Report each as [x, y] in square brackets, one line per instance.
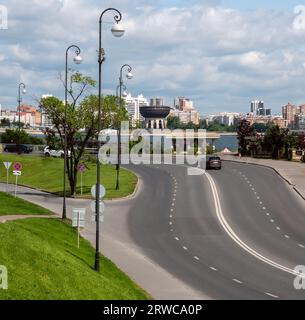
[241, 53]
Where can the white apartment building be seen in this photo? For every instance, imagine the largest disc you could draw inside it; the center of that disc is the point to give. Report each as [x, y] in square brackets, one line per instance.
[133, 105]
[225, 118]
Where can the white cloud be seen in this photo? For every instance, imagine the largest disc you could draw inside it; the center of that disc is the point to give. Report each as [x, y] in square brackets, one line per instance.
[221, 58]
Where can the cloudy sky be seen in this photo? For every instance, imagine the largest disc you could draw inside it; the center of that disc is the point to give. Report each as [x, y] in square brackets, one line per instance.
[220, 54]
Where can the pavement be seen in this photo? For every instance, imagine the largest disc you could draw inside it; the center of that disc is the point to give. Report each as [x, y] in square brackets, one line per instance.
[292, 172]
[170, 239]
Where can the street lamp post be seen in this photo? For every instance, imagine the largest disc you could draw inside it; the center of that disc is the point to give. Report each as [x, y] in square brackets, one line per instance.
[78, 60]
[129, 76]
[19, 101]
[117, 30]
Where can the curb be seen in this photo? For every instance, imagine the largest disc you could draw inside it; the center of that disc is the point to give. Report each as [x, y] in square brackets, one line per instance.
[275, 170]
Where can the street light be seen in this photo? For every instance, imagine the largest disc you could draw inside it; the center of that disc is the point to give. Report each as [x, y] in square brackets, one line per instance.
[129, 76]
[20, 99]
[117, 30]
[78, 60]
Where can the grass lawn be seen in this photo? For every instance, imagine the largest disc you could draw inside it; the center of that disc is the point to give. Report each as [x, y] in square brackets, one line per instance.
[9, 205]
[47, 174]
[44, 263]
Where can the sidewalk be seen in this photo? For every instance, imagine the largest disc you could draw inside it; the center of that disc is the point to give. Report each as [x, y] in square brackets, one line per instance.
[292, 172]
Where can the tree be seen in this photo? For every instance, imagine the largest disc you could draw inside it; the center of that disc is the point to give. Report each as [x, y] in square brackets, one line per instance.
[5, 123]
[82, 120]
[245, 133]
[275, 139]
[173, 122]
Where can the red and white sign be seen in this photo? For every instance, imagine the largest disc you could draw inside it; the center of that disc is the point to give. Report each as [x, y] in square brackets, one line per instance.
[17, 166]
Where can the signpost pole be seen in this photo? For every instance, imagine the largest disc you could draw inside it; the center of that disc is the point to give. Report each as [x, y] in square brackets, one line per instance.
[16, 186]
[78, 222]
[7, 180]
[81, 183]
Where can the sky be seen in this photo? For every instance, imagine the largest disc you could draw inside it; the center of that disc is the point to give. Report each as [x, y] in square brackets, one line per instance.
[220, 54]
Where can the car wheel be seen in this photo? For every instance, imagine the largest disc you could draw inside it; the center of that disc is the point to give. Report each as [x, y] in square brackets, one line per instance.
[47, 155]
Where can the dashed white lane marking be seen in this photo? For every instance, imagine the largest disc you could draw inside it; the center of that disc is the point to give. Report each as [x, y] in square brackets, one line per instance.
[172, 209]
[271, 295]
[300, 245]
[267, 214]
[237, 281]
[271, 220]
[174, 199]
[173, 204]
[235, 237]
[278, 228]
[196, 258]
[212, 268]
[170, 215]
[177, 238]
[170, 223]
[257, 198]
[185, 248]
[172, 230]
[286, 236]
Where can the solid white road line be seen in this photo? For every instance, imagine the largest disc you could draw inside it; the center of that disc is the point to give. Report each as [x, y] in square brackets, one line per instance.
[271, 295]
[196, 258]
[212, 268]
[235, 237]
[237, 281]
[300, 245]
[185, 248]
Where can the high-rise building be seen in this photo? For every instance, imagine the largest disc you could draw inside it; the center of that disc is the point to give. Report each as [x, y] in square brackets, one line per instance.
[133, 105]
[288, 112]
[258, 109]
[156, 102]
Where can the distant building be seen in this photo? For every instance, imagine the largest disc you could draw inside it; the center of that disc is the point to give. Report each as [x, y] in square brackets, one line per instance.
[258, 109]
[288, 112]
[45, 121]
[299, 122]
[133, 105]
[225, 118]
[184, 109]
[156, 102]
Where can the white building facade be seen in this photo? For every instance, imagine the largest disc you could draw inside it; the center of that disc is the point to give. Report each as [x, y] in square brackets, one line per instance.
[133, 105]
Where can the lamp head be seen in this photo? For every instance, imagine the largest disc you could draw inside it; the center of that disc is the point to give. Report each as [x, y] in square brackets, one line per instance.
[124, 94]
[78, 59]
[117, 29]
[129, 75]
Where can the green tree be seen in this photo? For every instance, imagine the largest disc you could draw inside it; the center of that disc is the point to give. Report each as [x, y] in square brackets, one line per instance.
[173, 122]
[245, 134]
[5, 123]
[275, 139]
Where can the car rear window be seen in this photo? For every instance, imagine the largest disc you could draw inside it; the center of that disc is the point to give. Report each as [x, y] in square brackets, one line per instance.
[214, 158]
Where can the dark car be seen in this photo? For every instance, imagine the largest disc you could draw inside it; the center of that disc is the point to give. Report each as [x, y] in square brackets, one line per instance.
[213, 162]
[19, 148]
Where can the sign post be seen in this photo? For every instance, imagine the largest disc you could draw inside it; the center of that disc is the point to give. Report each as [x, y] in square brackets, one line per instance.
[78, 220]
[102, 204]
[7, 166]
[17, 172]
[81, 169]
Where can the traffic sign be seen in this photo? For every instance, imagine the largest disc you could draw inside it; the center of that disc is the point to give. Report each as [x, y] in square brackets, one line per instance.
[102, 191]
[17, 173]
[17, 166]
[81, 167]
[78, 217]
[93, 206]
[7, 165]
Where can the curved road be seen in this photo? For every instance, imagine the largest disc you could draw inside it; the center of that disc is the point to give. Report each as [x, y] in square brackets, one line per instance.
[170, 240]
[175, 224]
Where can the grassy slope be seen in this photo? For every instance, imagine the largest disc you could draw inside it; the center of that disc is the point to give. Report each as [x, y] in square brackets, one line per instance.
[43, 262]
[47, 174]
[9, 205]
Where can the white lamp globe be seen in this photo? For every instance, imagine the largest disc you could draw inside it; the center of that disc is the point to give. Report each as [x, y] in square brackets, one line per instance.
[78, 59]
[129, 75]
[24, 91]
[124, 94]
[117, 30]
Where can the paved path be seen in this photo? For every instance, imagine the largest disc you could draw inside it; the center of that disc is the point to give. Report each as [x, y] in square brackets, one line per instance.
[292, 172]
[4, 219]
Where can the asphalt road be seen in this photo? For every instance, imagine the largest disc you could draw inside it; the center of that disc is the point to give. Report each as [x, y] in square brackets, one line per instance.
[175, 224]
[170, 240]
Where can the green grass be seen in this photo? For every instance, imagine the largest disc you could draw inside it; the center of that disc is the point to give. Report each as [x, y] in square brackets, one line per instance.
[47, 174]
[44, 263]
[9, 205]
